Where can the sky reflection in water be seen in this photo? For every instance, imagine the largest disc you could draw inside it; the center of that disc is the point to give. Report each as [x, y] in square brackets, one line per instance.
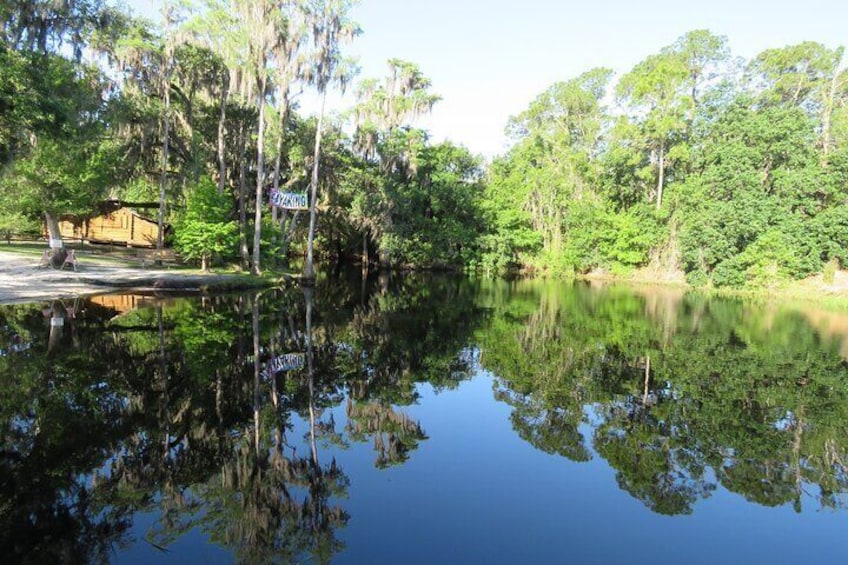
[442, 420]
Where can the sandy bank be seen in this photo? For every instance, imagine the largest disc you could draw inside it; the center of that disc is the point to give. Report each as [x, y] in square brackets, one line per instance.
[22, 280]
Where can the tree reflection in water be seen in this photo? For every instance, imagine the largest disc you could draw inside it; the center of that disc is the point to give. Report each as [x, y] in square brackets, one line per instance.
[173, 408]
[165, 409]
[683, 394]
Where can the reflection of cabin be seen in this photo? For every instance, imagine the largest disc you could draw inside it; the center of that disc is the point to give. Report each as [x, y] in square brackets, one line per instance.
[117, 224]
[118, 302]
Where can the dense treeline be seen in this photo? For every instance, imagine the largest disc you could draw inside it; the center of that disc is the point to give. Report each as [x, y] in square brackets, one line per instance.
[694, 162]
[198, 112]
[733, 172]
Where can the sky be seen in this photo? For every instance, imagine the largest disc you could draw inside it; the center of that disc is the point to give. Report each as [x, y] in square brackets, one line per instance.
[488, 59]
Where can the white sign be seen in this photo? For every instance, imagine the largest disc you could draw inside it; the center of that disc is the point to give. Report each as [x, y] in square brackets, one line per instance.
[287, 362]
[55, 243]
[289, 200]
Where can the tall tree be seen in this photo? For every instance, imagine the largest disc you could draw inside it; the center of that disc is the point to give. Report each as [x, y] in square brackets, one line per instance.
[168, 18]
[384, 115]
[703, 55]
[331, 27]
[807, 75]
[51, 105]
[652, 89]
[46, 26]
[559, 136]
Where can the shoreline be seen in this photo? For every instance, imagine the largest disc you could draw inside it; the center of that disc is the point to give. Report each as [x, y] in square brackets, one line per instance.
[22, 280]
[810, 290]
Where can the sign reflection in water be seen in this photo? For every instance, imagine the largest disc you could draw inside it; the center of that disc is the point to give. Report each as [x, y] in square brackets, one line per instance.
[494, 413]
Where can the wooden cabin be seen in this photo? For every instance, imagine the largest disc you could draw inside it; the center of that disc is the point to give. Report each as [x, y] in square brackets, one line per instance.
[120, 303]
[118, 225]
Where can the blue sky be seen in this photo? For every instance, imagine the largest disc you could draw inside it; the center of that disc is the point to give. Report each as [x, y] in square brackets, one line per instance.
[489, 58]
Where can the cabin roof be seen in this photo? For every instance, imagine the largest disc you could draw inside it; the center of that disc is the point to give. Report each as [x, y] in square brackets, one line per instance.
[111, 206]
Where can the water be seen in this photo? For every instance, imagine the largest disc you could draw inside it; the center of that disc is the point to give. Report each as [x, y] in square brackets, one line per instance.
[422, 420]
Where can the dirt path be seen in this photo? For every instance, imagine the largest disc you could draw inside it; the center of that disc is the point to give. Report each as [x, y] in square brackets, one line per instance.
[22, 280]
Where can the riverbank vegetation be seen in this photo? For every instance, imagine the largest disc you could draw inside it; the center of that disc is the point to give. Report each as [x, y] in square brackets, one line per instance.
[692, 165]
[730, 172]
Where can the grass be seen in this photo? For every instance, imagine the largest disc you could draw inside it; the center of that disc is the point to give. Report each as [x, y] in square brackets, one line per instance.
[103, 255]
[91, 254]
[127, 258]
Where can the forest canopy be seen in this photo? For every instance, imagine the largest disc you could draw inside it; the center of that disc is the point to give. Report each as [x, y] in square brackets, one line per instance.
[693, 163]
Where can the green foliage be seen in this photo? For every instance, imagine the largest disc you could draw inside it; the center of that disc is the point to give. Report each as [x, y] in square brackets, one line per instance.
[204, 230]
[830, 228]
[750, 217]
[829, 272]
[732, 172]
[510, 236]
[16, 224]
[630, 236]
[140, 190]
[769, 260]
[59, 162]
[747, 177]
[437, 222]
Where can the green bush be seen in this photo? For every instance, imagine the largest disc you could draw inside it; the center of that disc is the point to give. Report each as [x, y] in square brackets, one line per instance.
[204, 230]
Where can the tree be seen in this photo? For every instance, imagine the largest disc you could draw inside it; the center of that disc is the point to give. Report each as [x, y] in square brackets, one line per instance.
[383, 117]
[205, 229]
[703, 54]
[652, 88]
[52, 109]
[806, 75]
[165, 87]
[67, 166]
[331, 27]
[551, 174]
[44, 26]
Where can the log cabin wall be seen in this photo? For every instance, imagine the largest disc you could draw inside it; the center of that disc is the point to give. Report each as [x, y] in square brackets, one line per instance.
[122, 227]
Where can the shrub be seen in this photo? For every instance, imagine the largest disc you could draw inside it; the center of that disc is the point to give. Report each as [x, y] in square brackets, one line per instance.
[205, 230]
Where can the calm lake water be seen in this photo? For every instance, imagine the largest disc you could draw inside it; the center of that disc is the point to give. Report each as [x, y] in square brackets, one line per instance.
[423, 420]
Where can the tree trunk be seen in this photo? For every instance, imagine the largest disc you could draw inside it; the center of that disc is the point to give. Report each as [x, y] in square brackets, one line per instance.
[309, 269]
[384, 253]
[166, 133]
[162, 376]
[256, 371]
[385, 259]
[52, 223]
[163, 177]
[260, 176]
[661, 175]
[275, 212]
[310, 368]
[279, 157]
[54, 235]
[222, 120]
[365, 251]
[193, 142]
[243, 251]
[827, 115]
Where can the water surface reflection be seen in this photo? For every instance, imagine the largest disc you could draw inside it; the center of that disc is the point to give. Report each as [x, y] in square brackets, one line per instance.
[272, 426]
